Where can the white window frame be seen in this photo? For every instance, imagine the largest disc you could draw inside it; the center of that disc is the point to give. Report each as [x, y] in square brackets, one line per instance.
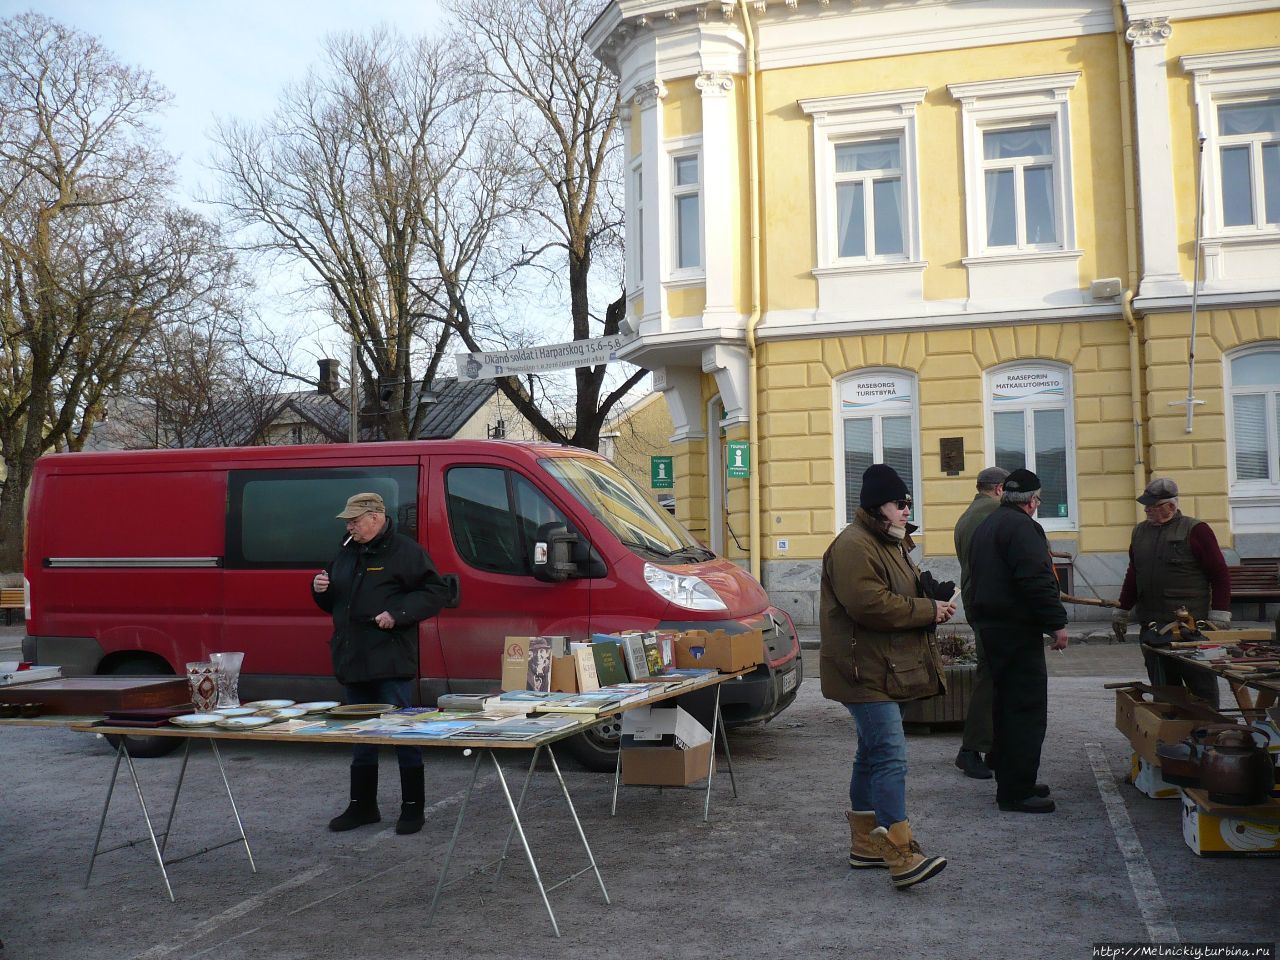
[1026, 407]
[1269, 487]
[635, 230]
[676, 276]
[1241, 252]
[877, 438]
[1018, 166]
[1005, 104]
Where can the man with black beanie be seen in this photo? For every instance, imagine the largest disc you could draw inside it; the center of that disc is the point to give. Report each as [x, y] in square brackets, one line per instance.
[1015, 603]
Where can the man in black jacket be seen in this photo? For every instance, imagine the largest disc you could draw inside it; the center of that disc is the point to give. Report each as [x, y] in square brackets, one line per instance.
[1015, 603]
[378, 588]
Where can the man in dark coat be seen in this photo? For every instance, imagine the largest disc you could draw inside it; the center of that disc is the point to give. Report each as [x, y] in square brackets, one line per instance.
[1174, 561]
[1015, 602]
[977, 724]
[378, 588]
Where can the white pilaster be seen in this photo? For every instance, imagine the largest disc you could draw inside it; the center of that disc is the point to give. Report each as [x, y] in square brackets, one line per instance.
[718, 182]
[648, 100]
[1156, 196]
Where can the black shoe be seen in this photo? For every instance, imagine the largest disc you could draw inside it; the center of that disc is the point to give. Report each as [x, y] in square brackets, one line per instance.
[970, 761]
[411, 819]
[413, 800]
[1040, 790]
[1031, 804]
[356, 815]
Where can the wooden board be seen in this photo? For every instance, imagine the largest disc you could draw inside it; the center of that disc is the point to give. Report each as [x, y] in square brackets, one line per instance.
[96, 695]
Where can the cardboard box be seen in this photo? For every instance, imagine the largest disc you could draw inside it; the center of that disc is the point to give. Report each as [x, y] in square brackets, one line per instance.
[726, 652]
[1146, 778]
[1212, 829]
[1149, 722]
[655, 727]
[515, 663]
[665, 767]
[564, 675]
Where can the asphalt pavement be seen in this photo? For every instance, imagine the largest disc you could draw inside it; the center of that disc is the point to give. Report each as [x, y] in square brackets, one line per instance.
[766, 878]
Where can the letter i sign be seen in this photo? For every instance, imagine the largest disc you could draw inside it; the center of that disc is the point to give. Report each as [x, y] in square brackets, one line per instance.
[661, 473]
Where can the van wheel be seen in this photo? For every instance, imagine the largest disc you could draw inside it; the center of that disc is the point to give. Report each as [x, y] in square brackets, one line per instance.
[597, 748]
[142, 747]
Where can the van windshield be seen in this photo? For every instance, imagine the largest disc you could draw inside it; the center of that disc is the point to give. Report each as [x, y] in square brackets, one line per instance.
[615, 500]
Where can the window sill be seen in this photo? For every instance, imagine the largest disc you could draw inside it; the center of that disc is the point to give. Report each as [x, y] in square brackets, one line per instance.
[863, 267]
[1021, 256]
[679, 281]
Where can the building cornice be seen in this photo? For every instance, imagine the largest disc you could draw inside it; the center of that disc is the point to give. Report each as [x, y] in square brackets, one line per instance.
[1194, 9]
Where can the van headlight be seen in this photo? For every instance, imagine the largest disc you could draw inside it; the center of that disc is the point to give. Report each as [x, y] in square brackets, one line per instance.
[686, 591]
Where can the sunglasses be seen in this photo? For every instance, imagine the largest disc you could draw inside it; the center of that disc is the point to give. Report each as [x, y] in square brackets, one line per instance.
[902, 504]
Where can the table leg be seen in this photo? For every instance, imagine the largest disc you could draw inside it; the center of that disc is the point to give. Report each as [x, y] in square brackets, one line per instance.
[453, 841]
[155, 845]
[182, 773]
[524, 841]
[577, 823]
[519, 806]
[213, 745]
[111, 786]
[711, 757]
[617, 778]
[724, 742]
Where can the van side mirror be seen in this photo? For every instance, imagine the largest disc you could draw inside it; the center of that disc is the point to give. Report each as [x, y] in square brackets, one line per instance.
[553, 554]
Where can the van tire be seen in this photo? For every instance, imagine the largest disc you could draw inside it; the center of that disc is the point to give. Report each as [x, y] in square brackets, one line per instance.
[597, 748]
[142, 666]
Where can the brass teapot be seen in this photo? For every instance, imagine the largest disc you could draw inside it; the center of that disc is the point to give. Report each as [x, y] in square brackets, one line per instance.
[1234, 767]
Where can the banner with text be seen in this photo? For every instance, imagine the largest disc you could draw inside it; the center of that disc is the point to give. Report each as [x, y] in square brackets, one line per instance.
[553, 356]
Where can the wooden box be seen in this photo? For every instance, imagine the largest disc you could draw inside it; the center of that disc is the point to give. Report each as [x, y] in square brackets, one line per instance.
[90, 696]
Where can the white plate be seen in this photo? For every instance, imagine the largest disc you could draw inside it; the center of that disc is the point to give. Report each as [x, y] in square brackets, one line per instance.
[244, 723]
[196, 719]
[269, 704]
[317, 706]
[283, 713]
[238, 711]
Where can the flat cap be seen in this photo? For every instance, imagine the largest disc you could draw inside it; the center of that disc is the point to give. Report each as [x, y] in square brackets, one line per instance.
[1161, 488]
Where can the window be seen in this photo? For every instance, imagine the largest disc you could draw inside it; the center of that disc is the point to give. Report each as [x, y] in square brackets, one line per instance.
[1018, 180]
[876, 414]
[868, 191]
[1249, 162]
[287, 518]
[635, 245]
[1254, 390]
[494, 516]
[686, 192]
[1031, 427]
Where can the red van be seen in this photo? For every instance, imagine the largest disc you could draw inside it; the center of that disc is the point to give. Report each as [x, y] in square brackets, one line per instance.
[140, 561]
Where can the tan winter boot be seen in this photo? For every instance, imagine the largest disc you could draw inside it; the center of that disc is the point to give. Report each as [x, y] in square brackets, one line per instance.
[907, 864]
[861, 851]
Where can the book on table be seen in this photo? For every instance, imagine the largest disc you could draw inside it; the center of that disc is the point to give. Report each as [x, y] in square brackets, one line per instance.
[609, 668]
[652, 654]
[462, 701]
[581, 703]
[585, 661]
[633, 653]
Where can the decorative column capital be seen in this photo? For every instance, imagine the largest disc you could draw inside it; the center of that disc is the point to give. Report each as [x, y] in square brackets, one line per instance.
[714, 84]
[1152, 32]
[647, 94]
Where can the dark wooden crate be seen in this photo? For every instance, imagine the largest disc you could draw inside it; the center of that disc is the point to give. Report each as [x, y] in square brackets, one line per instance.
[89, 696]
[949, 709]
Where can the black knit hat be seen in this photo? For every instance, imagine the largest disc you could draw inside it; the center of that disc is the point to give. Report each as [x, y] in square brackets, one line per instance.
[880, 484]
[1021, 481]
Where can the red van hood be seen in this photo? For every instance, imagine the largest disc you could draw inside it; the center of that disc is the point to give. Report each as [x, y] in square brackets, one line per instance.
[736, 587]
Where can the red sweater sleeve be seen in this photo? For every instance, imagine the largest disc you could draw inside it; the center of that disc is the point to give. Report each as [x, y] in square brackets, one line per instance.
[1129, 592]
[1204, 547]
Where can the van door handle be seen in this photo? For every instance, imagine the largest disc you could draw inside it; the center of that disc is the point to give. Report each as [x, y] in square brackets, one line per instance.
[454, 586]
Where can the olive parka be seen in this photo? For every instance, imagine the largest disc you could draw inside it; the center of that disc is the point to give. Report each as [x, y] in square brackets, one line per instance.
[877, 638]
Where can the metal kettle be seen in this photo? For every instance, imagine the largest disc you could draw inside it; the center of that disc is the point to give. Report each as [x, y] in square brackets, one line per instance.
[1234, 768]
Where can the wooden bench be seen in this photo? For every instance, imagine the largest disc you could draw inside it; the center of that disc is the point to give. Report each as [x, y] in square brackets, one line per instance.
[1256, 579]
[11, 599]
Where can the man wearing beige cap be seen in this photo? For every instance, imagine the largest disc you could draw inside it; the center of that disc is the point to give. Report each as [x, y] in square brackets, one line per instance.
[1174, 561]
[977, 725]
[378, 588]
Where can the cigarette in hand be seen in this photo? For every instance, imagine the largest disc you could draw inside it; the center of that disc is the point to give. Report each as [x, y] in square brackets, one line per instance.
[346, 541]
[955, 596]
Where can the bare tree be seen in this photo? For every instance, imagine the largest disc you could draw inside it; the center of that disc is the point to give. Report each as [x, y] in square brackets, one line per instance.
[336, 180]
[92, 258]
[561, 114]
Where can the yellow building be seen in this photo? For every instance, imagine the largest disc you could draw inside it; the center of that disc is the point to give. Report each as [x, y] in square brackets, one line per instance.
[973, 241]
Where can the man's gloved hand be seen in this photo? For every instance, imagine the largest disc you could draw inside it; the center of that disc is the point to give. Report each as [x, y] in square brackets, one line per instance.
[1219, 619]
[1120, 624]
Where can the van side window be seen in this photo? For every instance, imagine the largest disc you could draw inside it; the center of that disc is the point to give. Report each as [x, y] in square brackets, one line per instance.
[494, 515]
[288, 518]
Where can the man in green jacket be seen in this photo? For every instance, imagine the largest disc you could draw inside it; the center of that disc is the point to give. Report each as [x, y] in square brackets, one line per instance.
[977, 725]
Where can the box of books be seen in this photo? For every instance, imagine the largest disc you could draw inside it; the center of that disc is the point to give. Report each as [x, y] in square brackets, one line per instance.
[663, 746]
[726, 652]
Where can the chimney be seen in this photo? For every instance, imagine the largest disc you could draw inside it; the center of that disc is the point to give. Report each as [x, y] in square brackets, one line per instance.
[329, 377]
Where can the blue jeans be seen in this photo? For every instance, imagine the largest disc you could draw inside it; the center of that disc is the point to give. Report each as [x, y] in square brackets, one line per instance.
[879, 780]
[399, 692]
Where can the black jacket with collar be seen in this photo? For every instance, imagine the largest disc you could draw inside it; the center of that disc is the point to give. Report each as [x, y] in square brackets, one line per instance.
[391, 573]
[1011, 574]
